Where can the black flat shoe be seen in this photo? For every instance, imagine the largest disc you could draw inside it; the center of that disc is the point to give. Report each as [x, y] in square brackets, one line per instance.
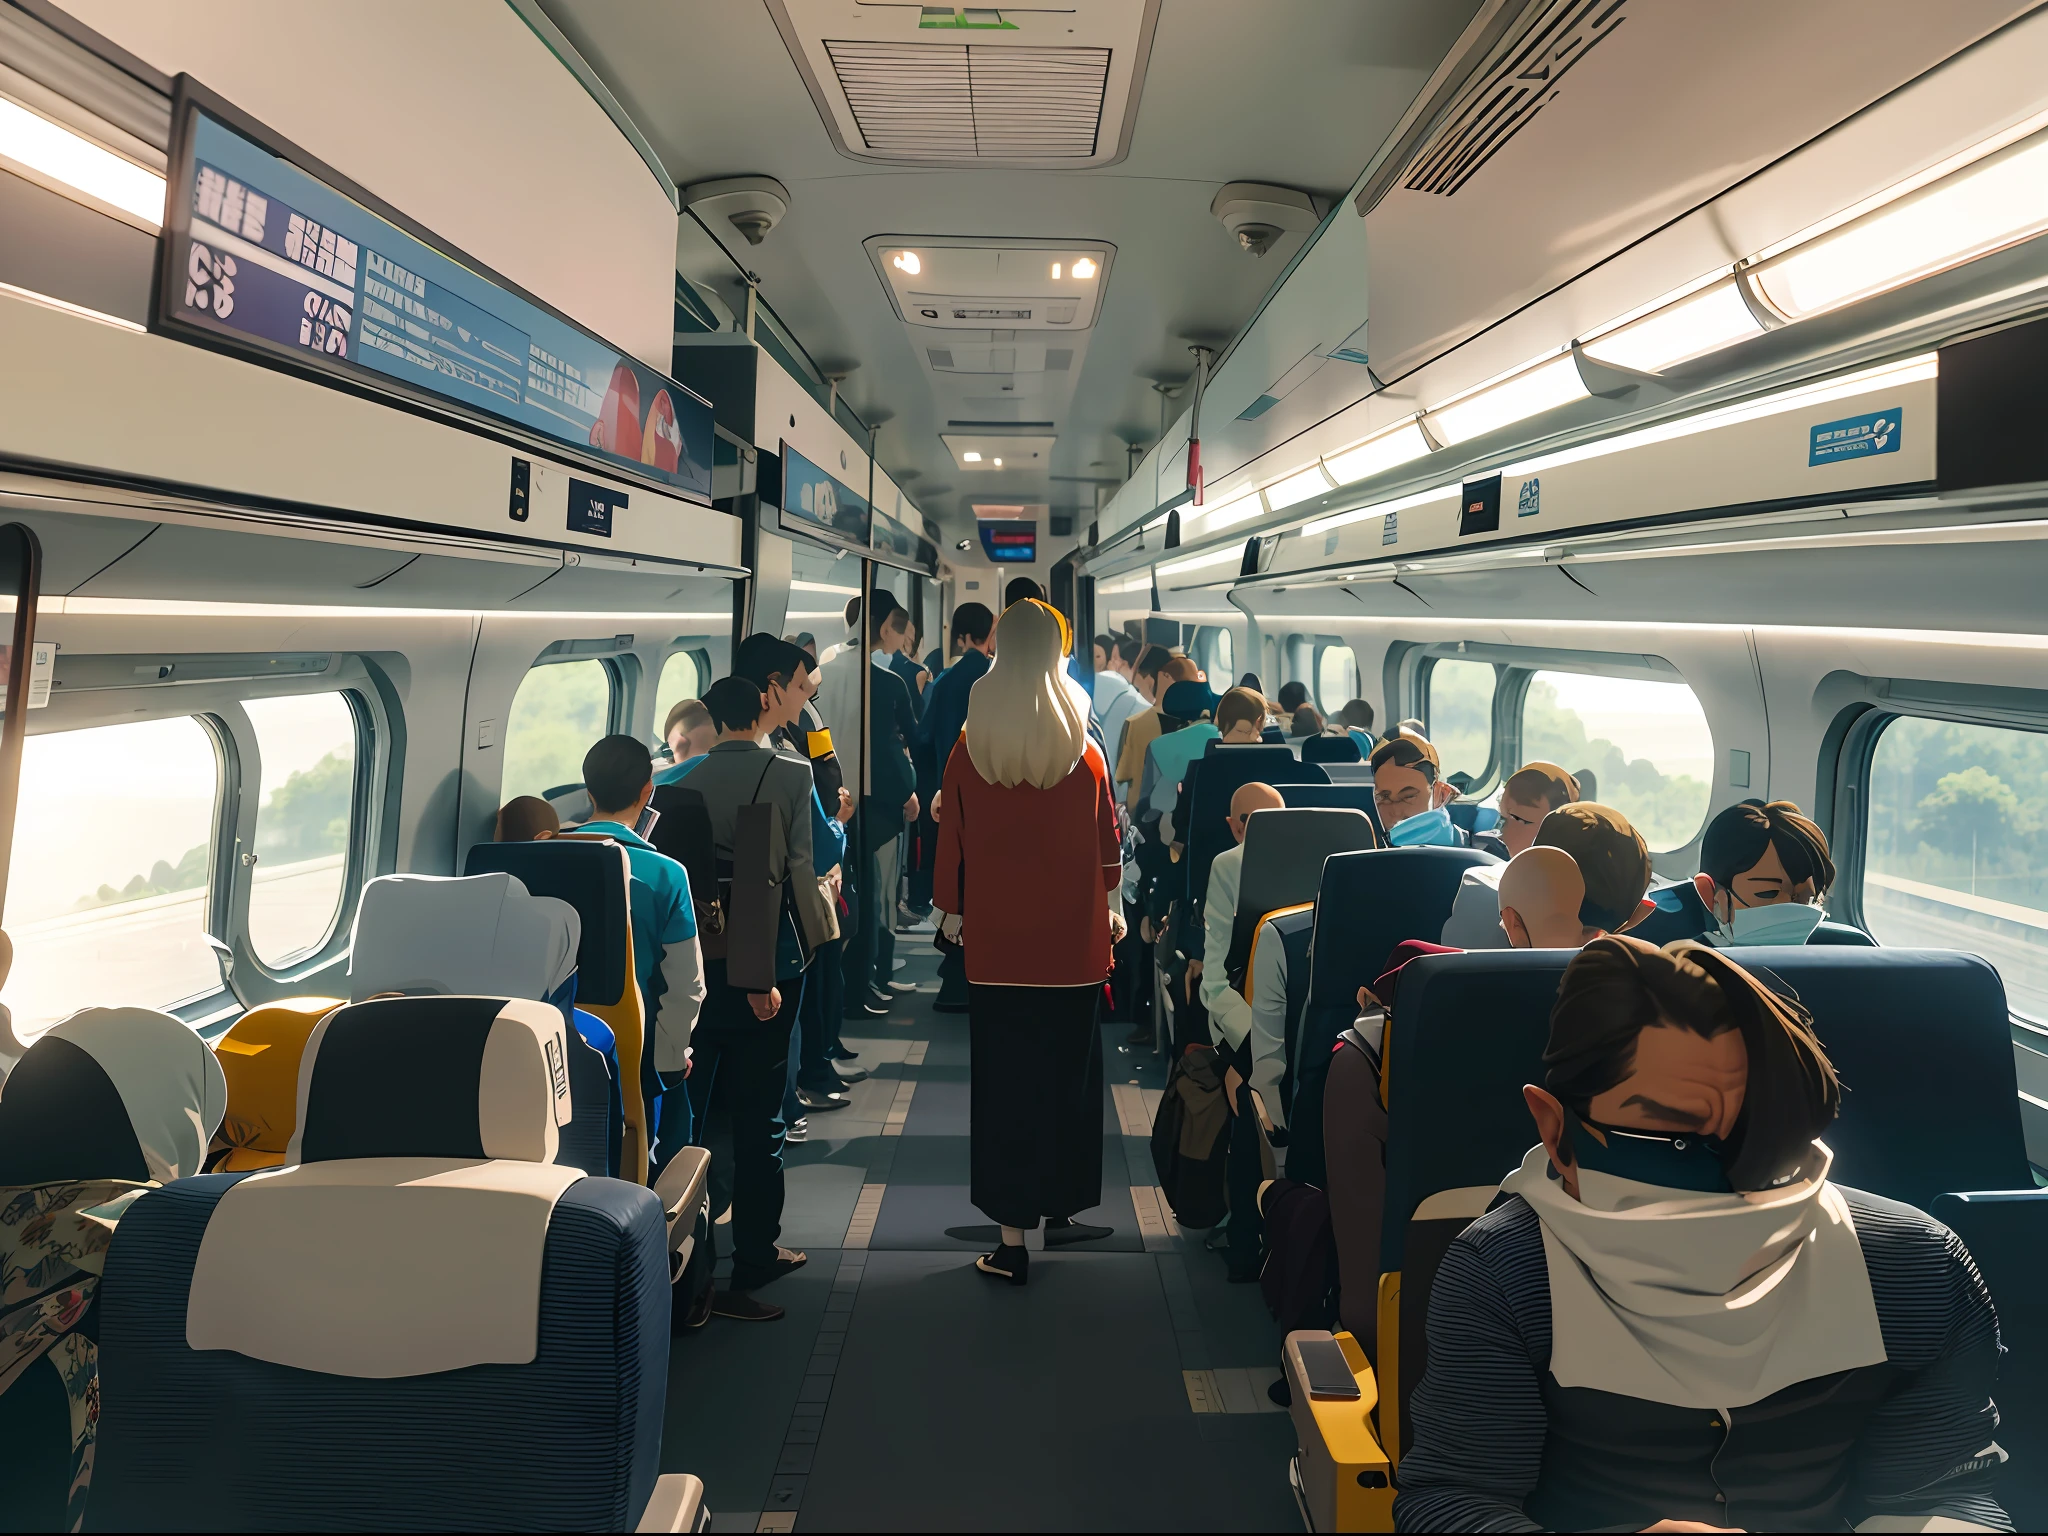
[787, 1261]
[742, 1308]
[817, 1102]
[848, 1076]
[841, 1053]
[1006, 1263]
[699, 1312]
[1067, 1230]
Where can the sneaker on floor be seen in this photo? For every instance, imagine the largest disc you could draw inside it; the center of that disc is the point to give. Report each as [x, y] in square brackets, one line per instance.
[849, 1076]
[787, 1261]
[880, 998]
[816, 1102]
[903, 986]
[1006, 1263]
[863, 1008]
[799, 1129]
[1066, 1230]
[743, 1308]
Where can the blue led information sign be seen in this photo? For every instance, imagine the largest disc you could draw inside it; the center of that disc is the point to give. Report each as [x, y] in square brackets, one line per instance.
[264, 253]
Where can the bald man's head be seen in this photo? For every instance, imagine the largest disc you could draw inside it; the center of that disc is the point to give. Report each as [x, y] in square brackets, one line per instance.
[1249, 798]
[1541, 891]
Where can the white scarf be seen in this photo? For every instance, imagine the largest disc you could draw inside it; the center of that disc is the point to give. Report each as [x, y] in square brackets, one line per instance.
[1700, 1300]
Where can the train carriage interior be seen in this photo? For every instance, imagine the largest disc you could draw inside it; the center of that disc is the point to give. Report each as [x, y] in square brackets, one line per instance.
[414, 417]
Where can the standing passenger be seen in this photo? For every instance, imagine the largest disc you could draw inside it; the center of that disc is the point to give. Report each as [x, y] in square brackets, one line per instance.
[1028, 870]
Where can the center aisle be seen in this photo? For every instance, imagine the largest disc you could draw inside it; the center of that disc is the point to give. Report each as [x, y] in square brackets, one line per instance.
[1122, 1389]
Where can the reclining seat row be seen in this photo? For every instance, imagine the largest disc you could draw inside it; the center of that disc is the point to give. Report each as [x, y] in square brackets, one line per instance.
[1930, 1117]
[423, 1321]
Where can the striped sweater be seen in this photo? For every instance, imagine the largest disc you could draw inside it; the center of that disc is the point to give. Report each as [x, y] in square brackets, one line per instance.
[1481, 1420]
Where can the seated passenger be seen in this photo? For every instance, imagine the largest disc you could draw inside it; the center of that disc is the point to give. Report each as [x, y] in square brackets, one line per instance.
[1292, 697]
[1231, 1022]
[1530, 794]
[688, 733]
[527, 819]
[1763, 870]
[1355, 720]
[1676, 1317]
[1187, 725]
[667, 963]
[105, 1105]
[1306, 722]
[1410, 794]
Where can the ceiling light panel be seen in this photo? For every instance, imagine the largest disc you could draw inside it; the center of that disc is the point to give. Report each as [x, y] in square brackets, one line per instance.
[71, 164]
[1046, 88]
[1225, 514]
[1298, 487]
[1531, 392]
[1378, 454]
[1981, 208]
[986, 454]
[1700, 323]
[950, 283]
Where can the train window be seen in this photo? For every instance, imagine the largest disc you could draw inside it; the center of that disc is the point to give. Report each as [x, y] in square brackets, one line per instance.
[107, 896]
[1457, 707]
[683, 676]
[1645, 744]
[1336, 676]
[558, 714]
[1953, 857]
[1215, 652]
[305, 819]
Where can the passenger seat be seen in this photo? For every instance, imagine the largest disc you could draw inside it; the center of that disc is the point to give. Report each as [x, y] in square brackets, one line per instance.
[428, 1323]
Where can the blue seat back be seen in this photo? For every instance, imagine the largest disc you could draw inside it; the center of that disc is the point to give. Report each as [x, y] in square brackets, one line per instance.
[1369, 902]
[1844, 934]
[1341, 796]
[1223, 772]
[586, 875]
[1473, 815]
[1330, 749]
[1284, 853]
[570, 1441]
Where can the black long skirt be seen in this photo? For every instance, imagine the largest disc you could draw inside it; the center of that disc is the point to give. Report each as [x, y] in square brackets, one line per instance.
[1036, 1101]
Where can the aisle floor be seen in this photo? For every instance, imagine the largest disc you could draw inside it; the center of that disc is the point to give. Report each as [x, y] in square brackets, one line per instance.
[1122, 1389]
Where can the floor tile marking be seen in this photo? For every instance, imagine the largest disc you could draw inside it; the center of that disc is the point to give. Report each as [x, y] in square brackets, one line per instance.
[861, 1230]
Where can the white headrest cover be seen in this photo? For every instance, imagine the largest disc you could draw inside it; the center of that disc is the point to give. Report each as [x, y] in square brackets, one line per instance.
[477, 934]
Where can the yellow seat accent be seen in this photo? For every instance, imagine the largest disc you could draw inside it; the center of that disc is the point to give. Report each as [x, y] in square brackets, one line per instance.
[628, 1020]
[1340, 1452]
[1258, 932]
[818, 743]
[1390, 1363]
[260, 1055]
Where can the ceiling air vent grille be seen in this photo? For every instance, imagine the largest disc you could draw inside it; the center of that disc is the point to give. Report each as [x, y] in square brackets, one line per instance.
[959, 100]
[1502, 101]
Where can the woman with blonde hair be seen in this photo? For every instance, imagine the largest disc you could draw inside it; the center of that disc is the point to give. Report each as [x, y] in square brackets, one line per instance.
[1028, 867]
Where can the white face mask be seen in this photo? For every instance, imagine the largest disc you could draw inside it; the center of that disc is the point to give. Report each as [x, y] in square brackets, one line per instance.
[1786, 922]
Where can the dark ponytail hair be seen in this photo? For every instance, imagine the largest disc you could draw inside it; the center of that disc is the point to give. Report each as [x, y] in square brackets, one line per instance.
[1616, 987]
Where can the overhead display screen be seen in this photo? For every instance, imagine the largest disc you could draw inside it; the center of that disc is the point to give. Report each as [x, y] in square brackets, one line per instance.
[264, 251]
[1009, 541]
[821, 505]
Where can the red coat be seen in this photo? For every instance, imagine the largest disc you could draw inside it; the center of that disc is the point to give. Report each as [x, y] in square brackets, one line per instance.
[1029, 871]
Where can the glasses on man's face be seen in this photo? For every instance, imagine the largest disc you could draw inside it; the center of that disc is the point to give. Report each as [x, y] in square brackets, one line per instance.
[1406, 796]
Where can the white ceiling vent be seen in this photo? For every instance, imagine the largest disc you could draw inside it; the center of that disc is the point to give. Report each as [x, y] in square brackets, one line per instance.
[901, 84]
[943, 100]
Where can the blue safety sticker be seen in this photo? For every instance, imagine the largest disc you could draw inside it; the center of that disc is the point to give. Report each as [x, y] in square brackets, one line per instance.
[1855, 437]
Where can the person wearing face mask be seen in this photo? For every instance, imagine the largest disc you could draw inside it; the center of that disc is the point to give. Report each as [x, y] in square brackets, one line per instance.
[1676, 1320]
[1763, 871]
[1530, 794]
[1408, 789]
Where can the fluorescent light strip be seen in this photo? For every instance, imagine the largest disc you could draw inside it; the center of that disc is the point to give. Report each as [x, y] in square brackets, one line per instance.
[1910, 370]
[159, 607]
[52, 150]
[1139, 583]
[1377, 454]
[1379, 509]
[1462, 628]
[1997, 202]
[1229, 512]
[1531, 391]
[1298, 487]
[823, 586]
[1706, 322]
[66, 307]
[1202, 562]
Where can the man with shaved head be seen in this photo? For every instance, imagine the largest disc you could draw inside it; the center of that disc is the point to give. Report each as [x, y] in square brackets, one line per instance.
[1584, 876]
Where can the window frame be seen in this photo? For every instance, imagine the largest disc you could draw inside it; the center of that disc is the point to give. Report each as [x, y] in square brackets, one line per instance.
[1849, 751]
[1499, 728]
[240, 860]
[620, 678]
[1202, 649]
[1323, 644]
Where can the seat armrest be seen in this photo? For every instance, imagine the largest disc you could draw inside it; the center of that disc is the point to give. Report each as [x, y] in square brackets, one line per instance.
[677, 1504]
[680, 1189]
[1345, 1480]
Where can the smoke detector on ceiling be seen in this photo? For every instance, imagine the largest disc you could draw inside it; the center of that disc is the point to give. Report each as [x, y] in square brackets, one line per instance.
[753, 205]
[1258, 215]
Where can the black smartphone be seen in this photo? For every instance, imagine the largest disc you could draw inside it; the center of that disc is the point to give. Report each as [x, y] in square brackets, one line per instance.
[1328, 1372]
